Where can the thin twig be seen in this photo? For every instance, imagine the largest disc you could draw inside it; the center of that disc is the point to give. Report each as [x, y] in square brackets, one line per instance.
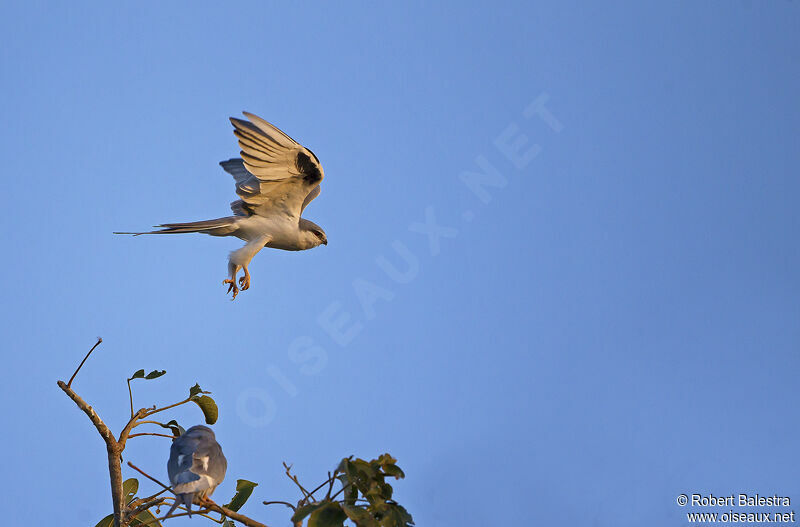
[327, 481]
[340, 490]
[332, 479]
[156, 410]
[130, 396]
[137, 502]
[148, 476]
[296, 482]
[150, 434]
[134, 511]
[148, 423]
[99, 340]
[281, 503]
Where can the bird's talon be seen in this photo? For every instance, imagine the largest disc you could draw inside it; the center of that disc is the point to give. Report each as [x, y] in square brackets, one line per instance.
[232, 287]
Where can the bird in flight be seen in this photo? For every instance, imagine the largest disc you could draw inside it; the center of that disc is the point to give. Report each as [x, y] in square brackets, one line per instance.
[195, 467]
[276, 178]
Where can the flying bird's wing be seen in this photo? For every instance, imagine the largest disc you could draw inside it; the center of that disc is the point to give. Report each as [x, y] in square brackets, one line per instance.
[275, 173]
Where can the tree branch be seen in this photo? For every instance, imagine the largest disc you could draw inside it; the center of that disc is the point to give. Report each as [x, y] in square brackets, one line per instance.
[156, 410]
[150, 434]
[233, 515]
[123, 436]
[98, 423]
[146, 504]
[130, 396]
[112, 447]
[149, 423]
[306, 494]
[99, 340]
[280, 503]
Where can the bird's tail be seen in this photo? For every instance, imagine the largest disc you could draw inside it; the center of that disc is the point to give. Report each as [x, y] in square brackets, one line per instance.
[217, 227]
[181, 499]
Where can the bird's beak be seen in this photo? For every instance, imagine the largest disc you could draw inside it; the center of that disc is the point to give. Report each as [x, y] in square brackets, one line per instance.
[325, 241]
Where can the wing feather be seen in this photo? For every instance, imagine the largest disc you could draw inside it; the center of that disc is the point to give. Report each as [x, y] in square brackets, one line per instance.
[274, 173]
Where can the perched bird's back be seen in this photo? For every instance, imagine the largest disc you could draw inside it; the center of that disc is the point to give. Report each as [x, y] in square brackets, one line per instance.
[196, 465]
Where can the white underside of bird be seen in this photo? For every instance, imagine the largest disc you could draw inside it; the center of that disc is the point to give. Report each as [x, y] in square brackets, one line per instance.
[276, 178]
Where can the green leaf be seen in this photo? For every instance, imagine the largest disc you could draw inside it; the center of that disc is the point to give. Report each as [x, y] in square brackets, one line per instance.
[244, 489]
[360, 516]
[393, 470]
[396, 516]
[228, 523]
[391, 515]
[385, 490]
[350, 494]
[196, 390]
[209, 408]
[129, 488]
[300, 514]
[329, 515]
[145, 518]
[138, 375]
[405, 517]
[155, 374]
[108, 521]
[343, 464]
[361, 474]
[386, 459]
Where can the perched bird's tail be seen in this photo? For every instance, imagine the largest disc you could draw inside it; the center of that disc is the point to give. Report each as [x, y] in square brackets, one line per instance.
[181, 499]
[217, 227]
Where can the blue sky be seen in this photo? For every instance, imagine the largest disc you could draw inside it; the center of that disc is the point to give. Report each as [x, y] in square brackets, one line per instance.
[612, 323]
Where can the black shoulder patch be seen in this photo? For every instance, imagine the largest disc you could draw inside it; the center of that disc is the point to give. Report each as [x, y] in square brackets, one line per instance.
[313, 155]
[308, 168]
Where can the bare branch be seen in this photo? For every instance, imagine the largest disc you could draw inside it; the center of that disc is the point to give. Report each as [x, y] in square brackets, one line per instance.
[146, 504]
[332, 480]
[130, 396]
[135, 503]
[156, 410]
[150, 434]
[340, 490]
[123, 436]
[233, 515]
[98, 423]
[306, 494]
[113, 449]
[148, 476]
[99, 340]
[149, 423]
[281, 503]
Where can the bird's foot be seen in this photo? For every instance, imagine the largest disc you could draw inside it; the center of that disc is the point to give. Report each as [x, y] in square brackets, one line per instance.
[244, 281]
[205, 502]
[231, 287]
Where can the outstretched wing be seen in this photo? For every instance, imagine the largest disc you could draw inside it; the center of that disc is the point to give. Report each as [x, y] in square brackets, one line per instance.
[275, 174]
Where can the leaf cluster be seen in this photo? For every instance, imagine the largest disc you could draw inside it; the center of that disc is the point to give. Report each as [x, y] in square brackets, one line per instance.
[366, 497]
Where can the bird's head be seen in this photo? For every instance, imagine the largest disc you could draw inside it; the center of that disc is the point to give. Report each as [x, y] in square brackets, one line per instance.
[313, 235]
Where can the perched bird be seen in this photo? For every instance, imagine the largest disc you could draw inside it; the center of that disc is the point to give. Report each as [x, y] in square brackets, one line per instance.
[276, 178]
[196, 466]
